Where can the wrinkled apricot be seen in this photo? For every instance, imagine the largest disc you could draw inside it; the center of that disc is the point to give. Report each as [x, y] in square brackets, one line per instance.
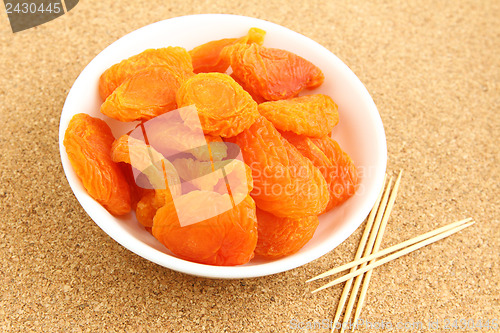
[224, 108]
[335, 165]
[217, 149]
[171, 136]
[206, 57]
[147, 207]
[136, 192]
[144, 95]
[175, 58]
[211, 147]
[310, 115]
[285, 183]
[229, 176]
[159, 172]
[282, 236]
[256, 97]
[88, 143]
[225, 239]
[273, 74]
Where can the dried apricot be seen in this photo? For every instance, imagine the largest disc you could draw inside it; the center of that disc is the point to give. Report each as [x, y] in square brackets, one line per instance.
[282, 236]
[176, 58]
[271, 73]
[217, 149]
[159, 172]
[144, 95]
[136, 192]
[224, 108]
[228, 238]
[206, 57]
[311, 115]
[200, 174]
[229, 176]
[346, 173]
[170, 134]
[147, 207]
[88, 143]
[285, 183]
[211, 147]
[335, 165]
[257, 98]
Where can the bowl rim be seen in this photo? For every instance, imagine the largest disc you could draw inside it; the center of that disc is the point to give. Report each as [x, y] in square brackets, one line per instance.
[226, 272]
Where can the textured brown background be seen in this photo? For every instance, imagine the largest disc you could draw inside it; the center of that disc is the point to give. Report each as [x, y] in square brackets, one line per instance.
[432, 68]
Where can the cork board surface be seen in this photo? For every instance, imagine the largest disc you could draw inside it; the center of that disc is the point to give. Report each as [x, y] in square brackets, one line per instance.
[433, 70]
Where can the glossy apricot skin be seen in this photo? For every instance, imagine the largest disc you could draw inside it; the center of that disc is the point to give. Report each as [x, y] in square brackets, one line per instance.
[283, 236]
[227, 239]
[285, 182]
[335, 165]
[175, 58]
[272, 74]
[88, 143]
[147, 207]
[310, 115]
[148, 93]
[207, 57]
[224, 108]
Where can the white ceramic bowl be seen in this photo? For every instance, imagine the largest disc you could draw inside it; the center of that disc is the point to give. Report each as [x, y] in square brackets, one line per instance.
[360, 133]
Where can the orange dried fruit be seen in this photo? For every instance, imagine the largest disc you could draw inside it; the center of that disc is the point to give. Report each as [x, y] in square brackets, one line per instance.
[273, 74]
[175, 58]
[225, 239]
[232, 177]
[335, 165]
[257, 98]
[311, 115]
[148, 162]
[136, 192]
[238, 183]
[345, 173]
[147, 207]
[285, 183]
[203, 175]
[171, 136]
[144, 95]
[200, 174]
[88, 143]
[224, 108]
[151, 169]
[206, 57]
[217, 149]
[282, 236]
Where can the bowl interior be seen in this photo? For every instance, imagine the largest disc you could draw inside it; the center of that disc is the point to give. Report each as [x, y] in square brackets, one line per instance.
[359, 132]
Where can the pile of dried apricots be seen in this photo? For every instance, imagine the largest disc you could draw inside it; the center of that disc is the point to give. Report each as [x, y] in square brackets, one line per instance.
[245, 94]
